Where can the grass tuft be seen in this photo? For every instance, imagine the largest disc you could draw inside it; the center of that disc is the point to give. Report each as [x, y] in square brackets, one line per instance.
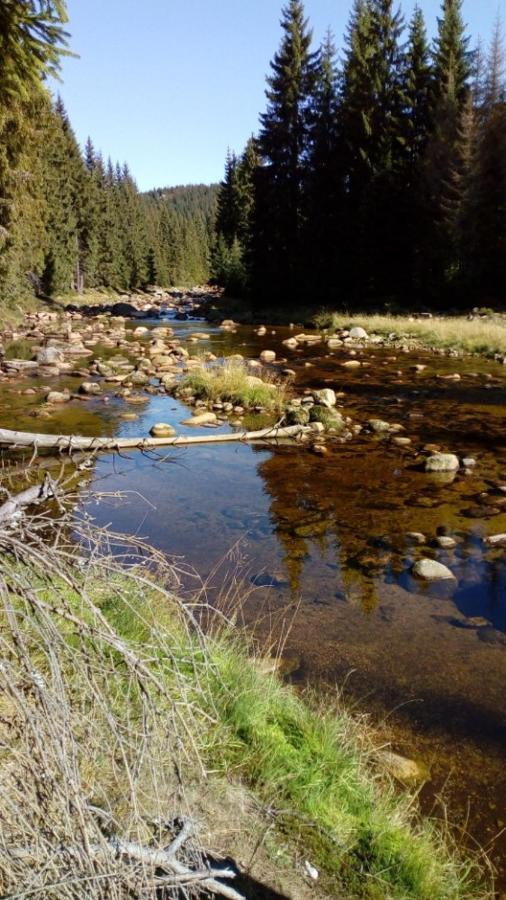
[231, 382]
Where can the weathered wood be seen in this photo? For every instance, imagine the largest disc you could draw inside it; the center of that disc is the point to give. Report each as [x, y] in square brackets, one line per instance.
[36, 494]
[15, 440]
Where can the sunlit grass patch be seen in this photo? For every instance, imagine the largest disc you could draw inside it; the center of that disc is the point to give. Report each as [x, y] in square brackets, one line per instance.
[487, 336]
[231, 382]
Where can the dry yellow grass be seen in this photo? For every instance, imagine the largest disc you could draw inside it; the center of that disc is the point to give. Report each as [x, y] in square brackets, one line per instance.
[487, 336]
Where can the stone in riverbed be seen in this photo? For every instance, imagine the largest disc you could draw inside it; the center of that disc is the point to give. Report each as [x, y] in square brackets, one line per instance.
[358, 334]
[58, 397]
[496, 540]
[430, 570]
[416, 537]
[90, 388]
[161, 430]
[442, 462]
[379, 426]
[406, 770]
[208, 418]
[326, 397]
[268, 356]
[446, 542]
[351, 364]
[50, 356]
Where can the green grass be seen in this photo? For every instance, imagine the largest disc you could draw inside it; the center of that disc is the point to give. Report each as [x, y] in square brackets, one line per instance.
[308, 762]
[232, 383]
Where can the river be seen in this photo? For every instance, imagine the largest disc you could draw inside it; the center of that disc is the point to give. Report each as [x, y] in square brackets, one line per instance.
[321, 545]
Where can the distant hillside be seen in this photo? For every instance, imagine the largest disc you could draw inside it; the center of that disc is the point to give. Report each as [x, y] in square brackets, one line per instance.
[184, 219]
[189, 199]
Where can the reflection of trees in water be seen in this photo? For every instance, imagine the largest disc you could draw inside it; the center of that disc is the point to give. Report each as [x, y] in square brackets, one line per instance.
[308, 513]
[358, 519]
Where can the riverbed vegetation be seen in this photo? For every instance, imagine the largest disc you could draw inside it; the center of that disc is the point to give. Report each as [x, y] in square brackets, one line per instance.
[231, 382]
[119, 713]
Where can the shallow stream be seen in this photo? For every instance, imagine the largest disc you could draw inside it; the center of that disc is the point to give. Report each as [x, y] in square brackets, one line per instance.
[322, 541]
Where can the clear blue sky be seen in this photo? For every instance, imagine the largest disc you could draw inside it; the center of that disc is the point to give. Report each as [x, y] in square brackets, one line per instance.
[167, 85]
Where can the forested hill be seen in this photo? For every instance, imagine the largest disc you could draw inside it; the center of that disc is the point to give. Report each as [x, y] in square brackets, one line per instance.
[71, 219]
[183, 236]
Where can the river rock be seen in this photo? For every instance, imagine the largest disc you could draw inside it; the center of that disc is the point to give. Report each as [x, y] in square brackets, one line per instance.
[50, 356]
[207, 418]
[496, 540]
[326, 397]
[57, 397]
[161, 430]
[358, 334]
[446, 542]
[91, 388]
[405, 770]
[268, 356]
[351, 364]
[379, 426]
[416, 537]
[431, 570]
[291, 343]
[442, 462]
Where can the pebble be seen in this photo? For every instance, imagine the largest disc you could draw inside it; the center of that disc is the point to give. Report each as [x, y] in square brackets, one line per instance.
[430, 570]
[446, 543]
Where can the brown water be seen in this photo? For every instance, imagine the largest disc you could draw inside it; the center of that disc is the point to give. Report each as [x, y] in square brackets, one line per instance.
[323, 543]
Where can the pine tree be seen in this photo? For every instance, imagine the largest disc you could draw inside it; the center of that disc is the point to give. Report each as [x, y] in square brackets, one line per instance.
[284, 146]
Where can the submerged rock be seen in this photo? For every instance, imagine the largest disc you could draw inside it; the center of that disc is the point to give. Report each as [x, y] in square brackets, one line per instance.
[207, 418]
[431, 570]
[406, 770]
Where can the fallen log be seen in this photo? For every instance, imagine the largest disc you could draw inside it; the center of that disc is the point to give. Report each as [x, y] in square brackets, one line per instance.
[16, 440]
[39, 493]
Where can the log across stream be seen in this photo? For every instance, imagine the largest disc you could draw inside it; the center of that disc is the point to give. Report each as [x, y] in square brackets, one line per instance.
[15, 440]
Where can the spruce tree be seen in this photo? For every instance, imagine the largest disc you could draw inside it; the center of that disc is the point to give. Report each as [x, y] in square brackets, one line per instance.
[228, 208]
[284, 146]
[372, 105]
[416, 125]
[325, 173]
[452, 68]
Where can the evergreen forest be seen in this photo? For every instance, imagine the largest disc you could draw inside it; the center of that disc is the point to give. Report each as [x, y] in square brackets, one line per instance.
[378, 174]
[70, 220]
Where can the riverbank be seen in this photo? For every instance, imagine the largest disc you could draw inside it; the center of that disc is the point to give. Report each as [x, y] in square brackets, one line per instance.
[482, 334]
[126, 710]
